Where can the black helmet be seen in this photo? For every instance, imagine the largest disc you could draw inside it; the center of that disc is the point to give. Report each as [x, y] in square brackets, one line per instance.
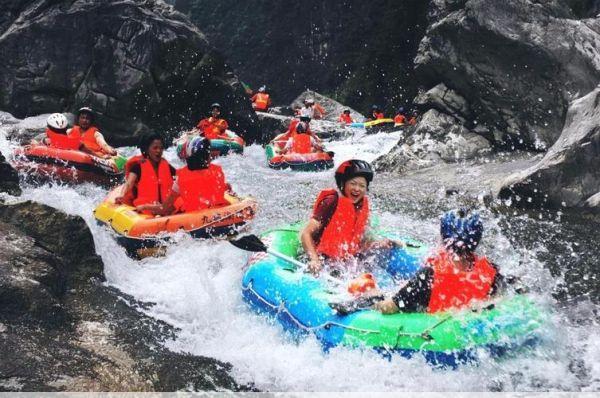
[198, 153]
[88, 110]
[215, 105]
[353, 168]
[146, 140]
[347, 111]
[305, 119]
[461, 229]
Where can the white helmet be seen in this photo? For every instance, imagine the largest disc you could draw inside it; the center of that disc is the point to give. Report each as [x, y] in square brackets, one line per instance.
[262, 89]
[57, 121]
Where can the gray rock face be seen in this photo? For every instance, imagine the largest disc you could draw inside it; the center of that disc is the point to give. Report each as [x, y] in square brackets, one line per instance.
[568, 174]
[61, 329]
[436, 138]
[509, 67]
[333, 109]
[9, 178]
[140, 65]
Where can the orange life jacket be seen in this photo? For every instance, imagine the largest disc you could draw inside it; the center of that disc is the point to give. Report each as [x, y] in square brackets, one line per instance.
[130, 162]
[201, 189]
[88, 139]
[378, 115]
[412, 121]
[319, 111]
[212, 128]
[455, 288]
[153, 187]
[261, 101]
[346, 118]
[342, 236]
[301, 143]
[63, 141]
[399, 119]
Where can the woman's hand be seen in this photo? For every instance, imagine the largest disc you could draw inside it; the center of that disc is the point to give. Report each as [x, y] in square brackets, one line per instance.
[315, 266]
[386, 306]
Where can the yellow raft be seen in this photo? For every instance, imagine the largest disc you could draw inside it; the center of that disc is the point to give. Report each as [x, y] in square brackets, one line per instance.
[140, 231]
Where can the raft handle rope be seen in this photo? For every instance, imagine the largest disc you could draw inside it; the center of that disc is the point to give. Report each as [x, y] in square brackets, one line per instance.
[425, 334]
[281, 308]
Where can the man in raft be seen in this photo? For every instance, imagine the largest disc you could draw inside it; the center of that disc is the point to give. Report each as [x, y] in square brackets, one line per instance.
[345, 117]
[261, 101]
[376, 113]
[454, 277]
[213, 127]
[148, 177]
[336, 230]
[200, 184]
[91, 139]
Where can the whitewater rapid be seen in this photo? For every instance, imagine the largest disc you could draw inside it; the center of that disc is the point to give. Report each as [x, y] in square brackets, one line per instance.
[196, 288]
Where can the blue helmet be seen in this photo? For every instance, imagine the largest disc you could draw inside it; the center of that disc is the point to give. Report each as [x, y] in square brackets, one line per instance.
[461, 229]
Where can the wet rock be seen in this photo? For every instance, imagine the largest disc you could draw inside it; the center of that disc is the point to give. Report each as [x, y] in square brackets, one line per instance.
[62, 329]
[567, 174]
[9, 178]
[65, 236]
[436, 138]
[140, 65]
[333, 109]
[511, 66]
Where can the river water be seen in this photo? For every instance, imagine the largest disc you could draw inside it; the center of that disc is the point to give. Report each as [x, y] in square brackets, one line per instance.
[196, 286]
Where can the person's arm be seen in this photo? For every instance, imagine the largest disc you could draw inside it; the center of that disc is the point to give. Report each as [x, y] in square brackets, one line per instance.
[160, 209]
[107, 148]
[310, 248]
[127, 187]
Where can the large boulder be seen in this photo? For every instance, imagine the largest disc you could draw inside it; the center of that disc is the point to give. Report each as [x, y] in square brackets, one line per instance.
[333, 109]
[141, 66]
[568, 174]
[508, 67]
[436, 138]
[61, 328]
[9, 178]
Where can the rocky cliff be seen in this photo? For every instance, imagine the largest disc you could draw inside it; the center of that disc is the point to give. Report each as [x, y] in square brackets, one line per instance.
[357, 52]
[141, 65]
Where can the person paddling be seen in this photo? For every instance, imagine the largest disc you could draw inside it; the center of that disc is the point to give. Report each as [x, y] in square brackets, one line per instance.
[454, 277]
[200, 184]
[148, 177]
[336, 230]
[92, 140]
[213, 127]
[261, 101]
[345, 117]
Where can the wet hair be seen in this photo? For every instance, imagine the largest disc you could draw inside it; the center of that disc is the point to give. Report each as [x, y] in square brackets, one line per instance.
[147, 140]
[199, 160]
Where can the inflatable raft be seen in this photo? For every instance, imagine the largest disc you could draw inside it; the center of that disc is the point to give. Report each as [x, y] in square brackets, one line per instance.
[301, 303]
[296, 161]
[140, 231]
[68, 165]
[223, 146]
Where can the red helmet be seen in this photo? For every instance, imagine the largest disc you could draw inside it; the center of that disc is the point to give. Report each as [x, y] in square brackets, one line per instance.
[353, 168]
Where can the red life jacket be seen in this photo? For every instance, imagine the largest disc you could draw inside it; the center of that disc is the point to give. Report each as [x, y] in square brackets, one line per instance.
[261, 101]
[346, 118]
[301, 143]
[342, 236]
[201, 189]
[88, 139]
[399, 119]
[153, 187]
[63, 141]
[455, 288]
[412, 121]
[378, 115]
[212, 128]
